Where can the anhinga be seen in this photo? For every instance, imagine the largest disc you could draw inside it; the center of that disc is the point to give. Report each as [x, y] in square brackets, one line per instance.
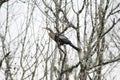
[60, 39]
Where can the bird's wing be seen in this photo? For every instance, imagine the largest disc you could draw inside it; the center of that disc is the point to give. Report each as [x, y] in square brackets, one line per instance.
[62, 37]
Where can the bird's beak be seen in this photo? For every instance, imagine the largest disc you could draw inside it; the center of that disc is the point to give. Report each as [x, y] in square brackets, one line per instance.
[44, 28]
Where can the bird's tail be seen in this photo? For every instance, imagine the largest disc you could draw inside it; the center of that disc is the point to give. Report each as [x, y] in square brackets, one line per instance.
[74, 47]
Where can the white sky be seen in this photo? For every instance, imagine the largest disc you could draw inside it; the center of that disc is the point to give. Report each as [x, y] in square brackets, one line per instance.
[17, 24]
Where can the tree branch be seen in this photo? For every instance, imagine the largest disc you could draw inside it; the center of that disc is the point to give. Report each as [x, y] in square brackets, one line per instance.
[2, 1]
[105, 63]
[114, 23]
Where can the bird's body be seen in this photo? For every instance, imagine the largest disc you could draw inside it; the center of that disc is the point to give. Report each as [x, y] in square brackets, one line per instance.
[61, 39]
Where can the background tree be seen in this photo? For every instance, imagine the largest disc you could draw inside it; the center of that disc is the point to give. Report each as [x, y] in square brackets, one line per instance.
[27, 52]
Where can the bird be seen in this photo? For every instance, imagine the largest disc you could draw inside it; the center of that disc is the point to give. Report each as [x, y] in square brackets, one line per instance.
[60, 39]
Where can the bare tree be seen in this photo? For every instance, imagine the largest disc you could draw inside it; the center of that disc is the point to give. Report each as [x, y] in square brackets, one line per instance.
[28, 53]
[94, 34]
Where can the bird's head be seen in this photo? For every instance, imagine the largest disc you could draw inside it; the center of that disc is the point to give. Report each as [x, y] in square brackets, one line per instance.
[51, 34]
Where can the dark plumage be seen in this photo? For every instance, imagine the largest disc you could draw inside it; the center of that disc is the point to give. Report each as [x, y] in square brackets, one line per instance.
[60, 39]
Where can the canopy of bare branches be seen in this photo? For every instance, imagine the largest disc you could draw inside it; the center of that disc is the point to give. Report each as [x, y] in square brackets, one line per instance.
[28, 53]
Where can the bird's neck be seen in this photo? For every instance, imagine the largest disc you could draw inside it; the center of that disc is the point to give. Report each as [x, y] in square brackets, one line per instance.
[52, 35]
